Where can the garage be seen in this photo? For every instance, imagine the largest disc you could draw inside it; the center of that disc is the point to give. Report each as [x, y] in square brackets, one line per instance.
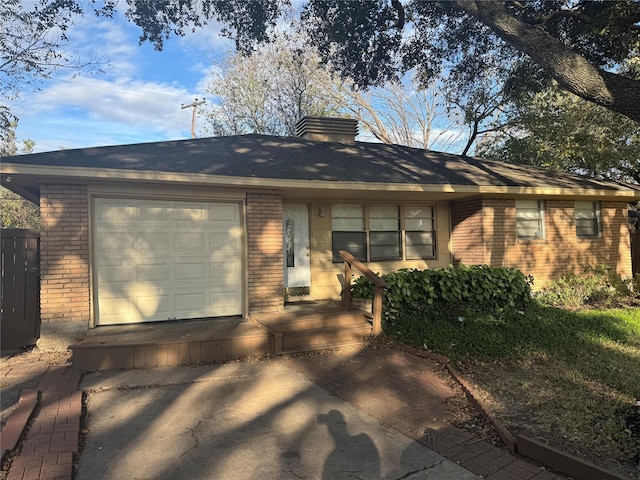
[158, 260]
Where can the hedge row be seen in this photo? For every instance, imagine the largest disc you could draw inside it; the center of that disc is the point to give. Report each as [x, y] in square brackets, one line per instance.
[452, 291]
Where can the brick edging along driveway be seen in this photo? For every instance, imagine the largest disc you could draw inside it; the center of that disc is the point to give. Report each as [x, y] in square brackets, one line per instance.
[524, 446]
[53, 436]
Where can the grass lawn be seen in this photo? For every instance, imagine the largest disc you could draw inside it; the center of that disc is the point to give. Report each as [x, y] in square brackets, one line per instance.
[570, 378]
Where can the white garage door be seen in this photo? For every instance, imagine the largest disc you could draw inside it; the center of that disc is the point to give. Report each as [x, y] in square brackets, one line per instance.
[163, 260]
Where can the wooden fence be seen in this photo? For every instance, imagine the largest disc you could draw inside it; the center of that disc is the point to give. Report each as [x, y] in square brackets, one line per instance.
[20, 288]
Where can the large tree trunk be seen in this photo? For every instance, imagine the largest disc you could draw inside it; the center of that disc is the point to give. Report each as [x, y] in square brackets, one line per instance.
[572, 71]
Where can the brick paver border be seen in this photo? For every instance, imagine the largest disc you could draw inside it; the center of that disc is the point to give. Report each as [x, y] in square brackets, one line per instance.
[544, 454]
[53, 437]
[16, 422]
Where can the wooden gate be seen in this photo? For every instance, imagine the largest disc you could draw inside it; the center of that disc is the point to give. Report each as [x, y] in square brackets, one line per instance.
[20, 288]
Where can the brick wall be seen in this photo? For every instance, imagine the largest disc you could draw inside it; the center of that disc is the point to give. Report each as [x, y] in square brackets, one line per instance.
[560, 252]
[499, 226]
[64, 254]
[467, 237]
[264, 240]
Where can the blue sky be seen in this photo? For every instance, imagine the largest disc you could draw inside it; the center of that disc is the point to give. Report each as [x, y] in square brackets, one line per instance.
[137, 98]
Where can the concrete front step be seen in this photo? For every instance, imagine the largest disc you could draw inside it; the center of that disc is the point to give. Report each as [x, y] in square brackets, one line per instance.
[93, 357]
[170, 343]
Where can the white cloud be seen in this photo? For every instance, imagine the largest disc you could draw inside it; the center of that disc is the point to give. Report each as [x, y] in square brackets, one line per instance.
[206, 38]
[137, 98]
[109, 112]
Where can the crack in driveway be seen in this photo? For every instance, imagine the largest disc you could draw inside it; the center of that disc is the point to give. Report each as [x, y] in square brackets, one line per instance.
[424, 469]
[196, 440]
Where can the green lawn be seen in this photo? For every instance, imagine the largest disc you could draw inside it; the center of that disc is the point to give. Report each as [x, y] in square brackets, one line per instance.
[567, 377]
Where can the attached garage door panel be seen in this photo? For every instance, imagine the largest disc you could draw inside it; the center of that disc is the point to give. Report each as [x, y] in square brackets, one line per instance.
[162, 260]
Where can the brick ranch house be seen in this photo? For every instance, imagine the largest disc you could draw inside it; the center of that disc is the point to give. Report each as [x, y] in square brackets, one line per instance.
[231, 226]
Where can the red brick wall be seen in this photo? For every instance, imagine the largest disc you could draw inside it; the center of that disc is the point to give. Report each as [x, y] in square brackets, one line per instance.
[467, 238]
[64, 254]
[264, 240]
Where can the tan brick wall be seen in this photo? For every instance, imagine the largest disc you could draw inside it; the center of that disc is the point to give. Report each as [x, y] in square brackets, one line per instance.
[64, 254]
[484, 231]
[499, 226]
[264, 242]
[467, 236]
[561, 251]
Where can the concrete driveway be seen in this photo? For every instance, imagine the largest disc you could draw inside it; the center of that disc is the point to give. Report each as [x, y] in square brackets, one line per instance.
[260, 420]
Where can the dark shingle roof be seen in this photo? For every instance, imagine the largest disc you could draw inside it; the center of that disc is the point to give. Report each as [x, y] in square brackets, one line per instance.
[293, 158]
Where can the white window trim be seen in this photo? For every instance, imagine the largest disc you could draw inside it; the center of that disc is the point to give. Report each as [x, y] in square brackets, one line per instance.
[595, 209]
[541, 222]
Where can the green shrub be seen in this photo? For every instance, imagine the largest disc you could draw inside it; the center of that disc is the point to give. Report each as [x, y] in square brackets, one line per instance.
[595, 286]
[450, 293]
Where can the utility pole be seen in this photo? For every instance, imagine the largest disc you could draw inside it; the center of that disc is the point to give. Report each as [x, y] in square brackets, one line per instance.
[194, 107]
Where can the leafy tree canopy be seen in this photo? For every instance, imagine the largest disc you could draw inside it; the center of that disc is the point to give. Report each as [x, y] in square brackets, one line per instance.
[268, 91]
[15, 211]
[32, 46]
[578, 43]
[558, 130]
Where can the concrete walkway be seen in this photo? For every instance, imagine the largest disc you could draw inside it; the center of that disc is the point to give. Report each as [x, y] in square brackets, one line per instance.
[362, 414]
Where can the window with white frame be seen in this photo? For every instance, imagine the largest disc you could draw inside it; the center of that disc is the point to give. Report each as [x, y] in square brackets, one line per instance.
[529, 219]
[383, 232]
[587, 217]
[420, 232]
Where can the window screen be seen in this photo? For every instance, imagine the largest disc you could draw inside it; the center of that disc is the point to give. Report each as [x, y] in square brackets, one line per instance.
[419, 232]
[383, 232]
[348, 232]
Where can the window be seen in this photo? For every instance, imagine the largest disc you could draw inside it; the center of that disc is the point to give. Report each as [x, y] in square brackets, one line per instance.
[529, 219]
[348, 233]
[419, 232]
[587, 216]
[383, 232]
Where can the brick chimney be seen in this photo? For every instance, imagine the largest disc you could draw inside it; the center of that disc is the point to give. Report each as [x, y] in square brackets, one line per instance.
[326, 129]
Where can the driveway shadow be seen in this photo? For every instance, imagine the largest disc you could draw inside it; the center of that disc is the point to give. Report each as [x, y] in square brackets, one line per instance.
[240, 421]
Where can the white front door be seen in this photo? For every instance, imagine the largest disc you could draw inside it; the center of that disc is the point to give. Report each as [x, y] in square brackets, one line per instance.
[297, 260]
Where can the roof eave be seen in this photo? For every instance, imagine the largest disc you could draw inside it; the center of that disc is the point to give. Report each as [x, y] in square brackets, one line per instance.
[79, 174]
